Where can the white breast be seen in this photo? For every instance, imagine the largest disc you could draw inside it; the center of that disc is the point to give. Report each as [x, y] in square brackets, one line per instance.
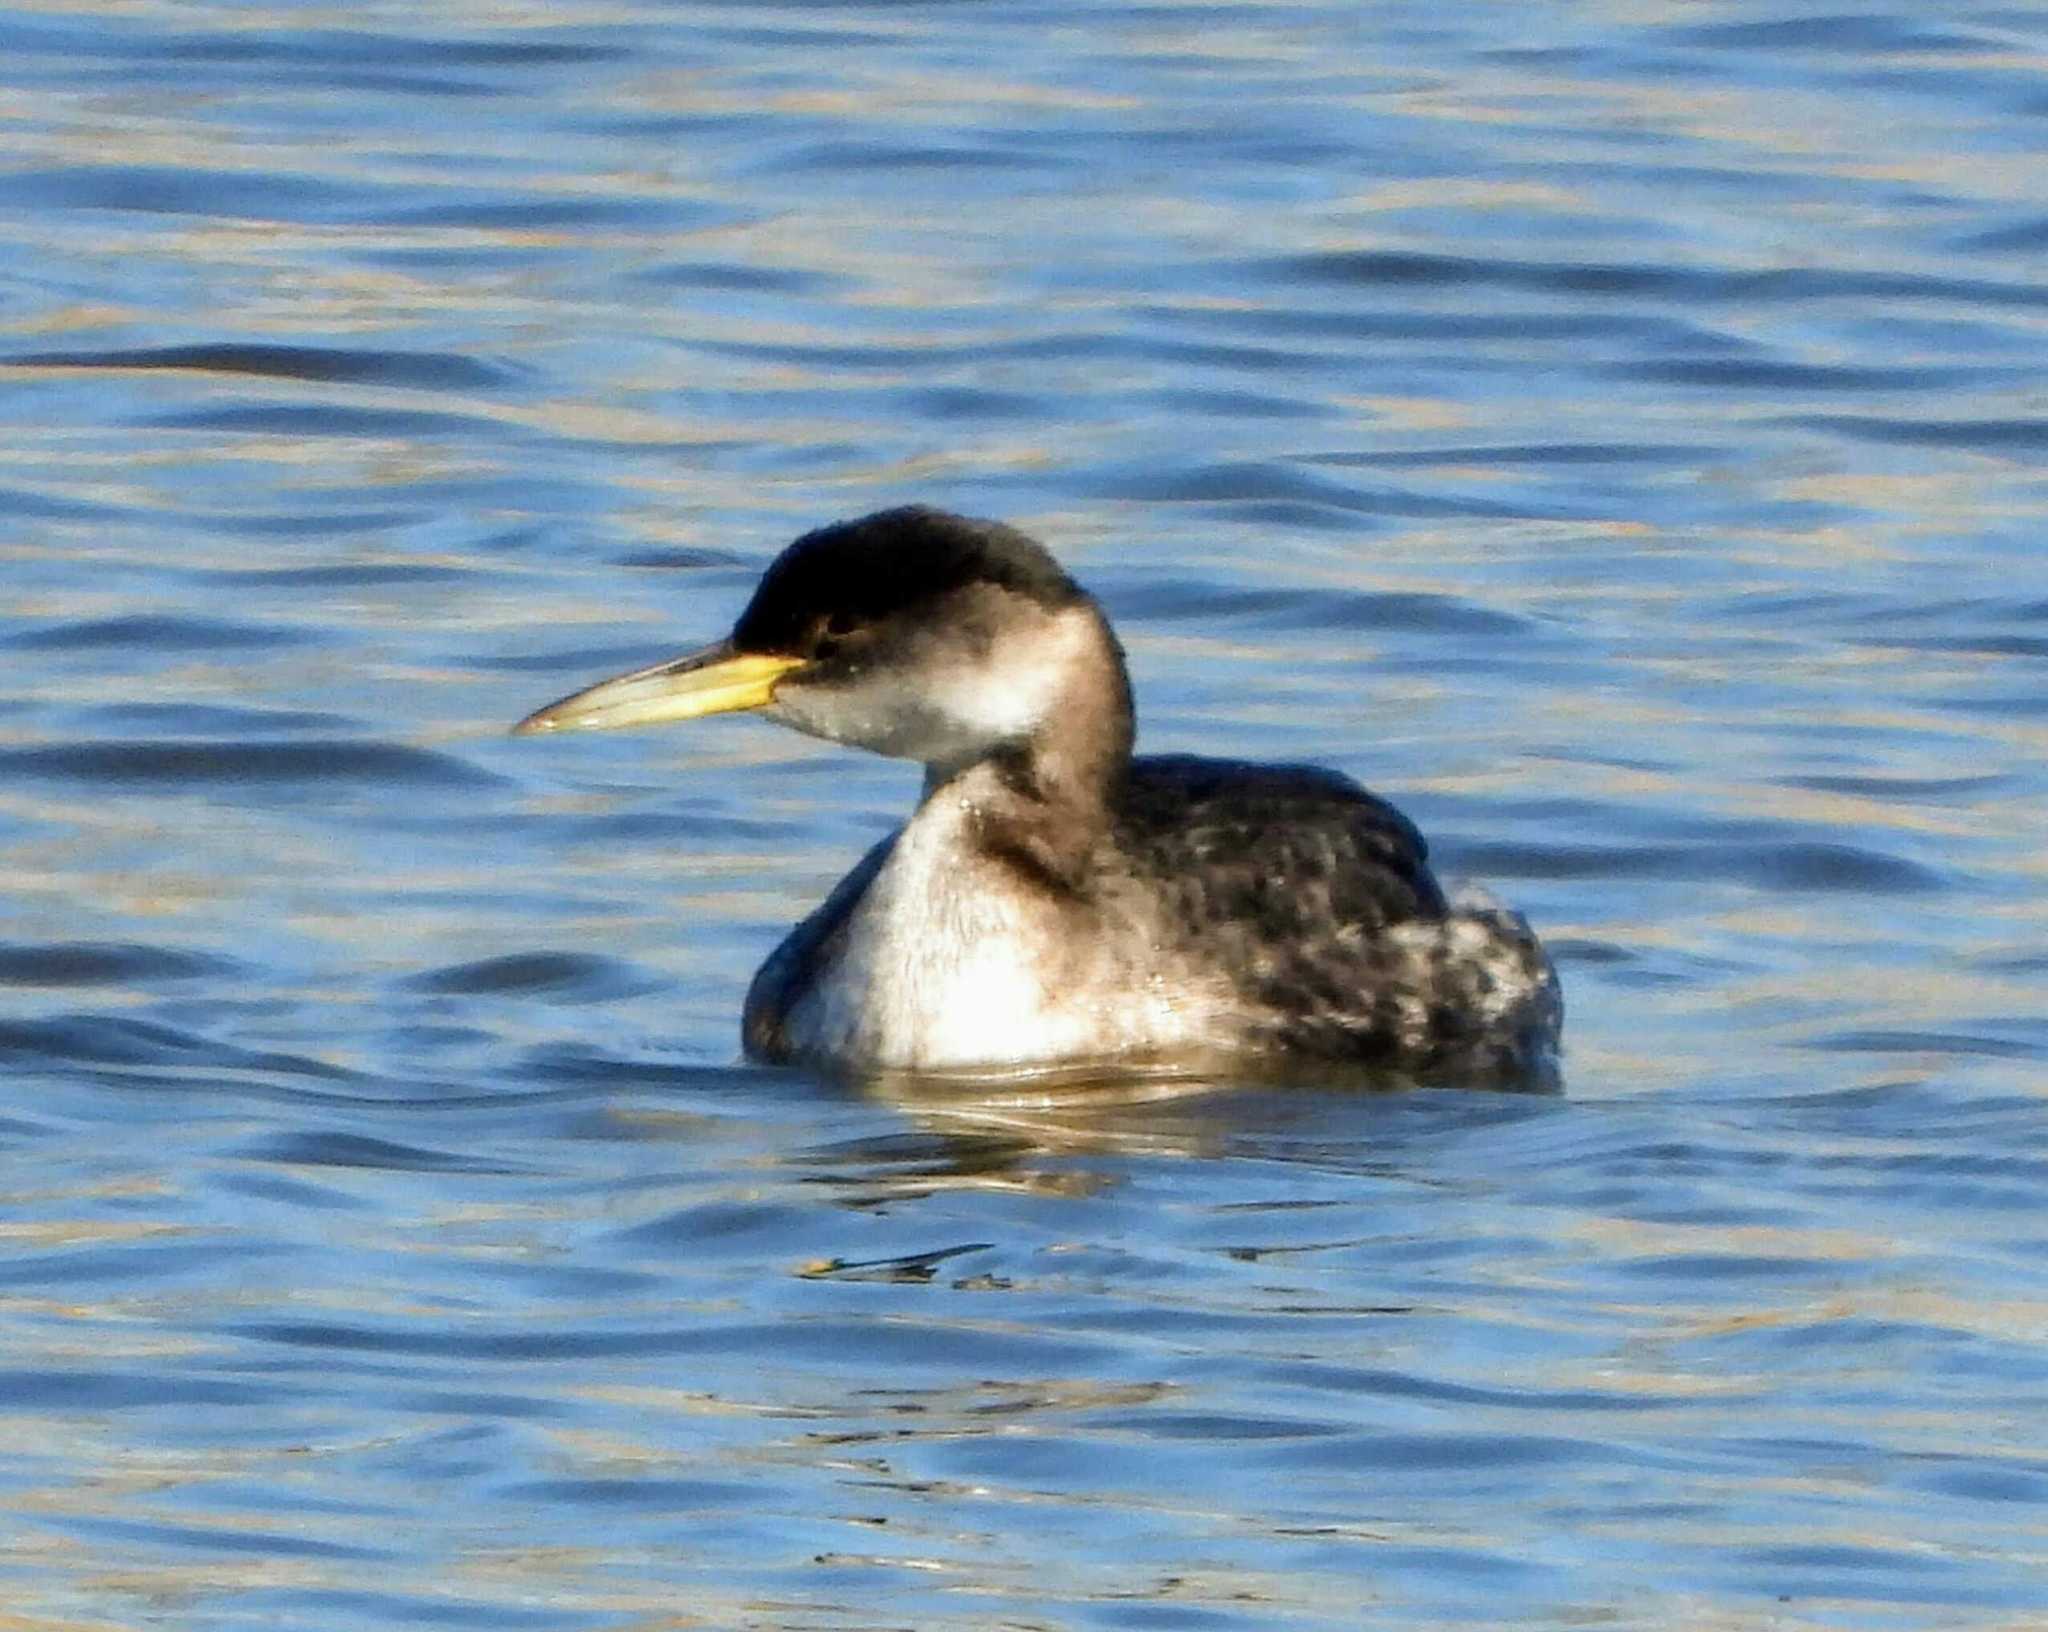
[946, 964]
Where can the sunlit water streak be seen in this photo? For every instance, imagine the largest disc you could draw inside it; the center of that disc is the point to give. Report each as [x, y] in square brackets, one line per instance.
[1613, 431]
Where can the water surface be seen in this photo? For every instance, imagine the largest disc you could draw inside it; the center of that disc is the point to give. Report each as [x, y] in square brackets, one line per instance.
[1614, 431]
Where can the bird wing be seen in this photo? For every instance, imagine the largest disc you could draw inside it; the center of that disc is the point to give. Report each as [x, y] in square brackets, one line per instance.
[1289, 881]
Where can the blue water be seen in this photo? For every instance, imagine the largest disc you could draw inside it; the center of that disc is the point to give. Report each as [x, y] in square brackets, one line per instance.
[1616, 433]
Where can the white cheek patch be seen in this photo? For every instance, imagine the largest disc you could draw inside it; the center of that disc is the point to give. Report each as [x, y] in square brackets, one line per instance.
[1015, 689]
[957, 705]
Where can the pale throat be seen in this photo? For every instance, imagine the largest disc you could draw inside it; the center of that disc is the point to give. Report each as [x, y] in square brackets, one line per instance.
[1053, 698]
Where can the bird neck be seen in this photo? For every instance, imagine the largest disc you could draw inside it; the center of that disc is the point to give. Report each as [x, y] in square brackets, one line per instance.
[1041, 803]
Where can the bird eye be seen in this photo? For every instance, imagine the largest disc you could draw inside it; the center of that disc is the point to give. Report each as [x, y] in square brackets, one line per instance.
[829, 631]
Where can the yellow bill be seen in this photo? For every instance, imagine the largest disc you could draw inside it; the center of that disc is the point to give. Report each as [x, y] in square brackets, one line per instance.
[717, 680]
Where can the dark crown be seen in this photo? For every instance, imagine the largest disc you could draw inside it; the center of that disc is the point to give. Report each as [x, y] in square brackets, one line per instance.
[888, 563]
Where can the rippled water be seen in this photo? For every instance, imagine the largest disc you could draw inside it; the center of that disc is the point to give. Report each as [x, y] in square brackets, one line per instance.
[1615, 431]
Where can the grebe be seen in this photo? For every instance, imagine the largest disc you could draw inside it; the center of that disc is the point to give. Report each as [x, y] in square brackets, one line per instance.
[1053, 900]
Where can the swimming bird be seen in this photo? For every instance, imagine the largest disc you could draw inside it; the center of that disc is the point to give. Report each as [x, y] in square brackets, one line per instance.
[1054, 900]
